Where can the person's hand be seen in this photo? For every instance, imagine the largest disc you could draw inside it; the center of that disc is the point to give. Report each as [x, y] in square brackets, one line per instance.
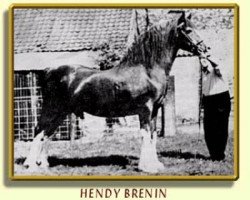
[204, 62]
[204, 55]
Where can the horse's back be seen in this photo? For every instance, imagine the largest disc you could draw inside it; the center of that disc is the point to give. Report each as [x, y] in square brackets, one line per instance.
[66, 70]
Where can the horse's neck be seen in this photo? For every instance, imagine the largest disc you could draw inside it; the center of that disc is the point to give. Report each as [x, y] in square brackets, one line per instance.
[161, 52]
[167, 59]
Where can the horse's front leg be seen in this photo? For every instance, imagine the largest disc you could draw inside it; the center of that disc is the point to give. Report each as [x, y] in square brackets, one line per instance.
[149, 161]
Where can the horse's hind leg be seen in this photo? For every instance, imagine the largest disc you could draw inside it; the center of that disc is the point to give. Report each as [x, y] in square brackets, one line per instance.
[149, 161]
[47, 124]
[36, 147]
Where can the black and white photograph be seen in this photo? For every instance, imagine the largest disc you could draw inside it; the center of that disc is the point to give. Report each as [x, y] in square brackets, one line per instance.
[124, 92]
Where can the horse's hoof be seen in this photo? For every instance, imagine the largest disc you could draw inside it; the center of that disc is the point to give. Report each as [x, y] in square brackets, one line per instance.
[160, 166]
[42, 164]
[38, 163]
[31, 167]
[26, 164]
[148, 169]
[153, 168]
[36, 166]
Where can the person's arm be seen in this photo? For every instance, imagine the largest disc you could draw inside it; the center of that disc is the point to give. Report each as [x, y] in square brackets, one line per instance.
[206, 62]
[216, 67]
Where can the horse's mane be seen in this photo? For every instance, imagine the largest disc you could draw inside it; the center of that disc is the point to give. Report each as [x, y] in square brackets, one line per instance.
[149, 46]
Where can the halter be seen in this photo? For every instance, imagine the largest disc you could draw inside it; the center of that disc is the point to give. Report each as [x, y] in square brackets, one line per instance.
[194, 46]
[198, 48]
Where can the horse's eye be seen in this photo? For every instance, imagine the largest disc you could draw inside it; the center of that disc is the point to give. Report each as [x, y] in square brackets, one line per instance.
[188, 30]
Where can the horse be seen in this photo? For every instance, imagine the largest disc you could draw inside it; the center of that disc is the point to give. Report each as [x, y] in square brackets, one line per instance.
[136, 86]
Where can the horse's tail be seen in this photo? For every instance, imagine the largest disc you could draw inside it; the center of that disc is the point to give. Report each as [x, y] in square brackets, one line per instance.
[55, 82]
[55, 97]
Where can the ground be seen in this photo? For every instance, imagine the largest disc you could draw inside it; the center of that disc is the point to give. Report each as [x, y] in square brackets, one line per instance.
[118, 154]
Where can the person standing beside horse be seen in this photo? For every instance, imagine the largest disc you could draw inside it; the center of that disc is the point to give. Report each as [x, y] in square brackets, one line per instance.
[217, 106]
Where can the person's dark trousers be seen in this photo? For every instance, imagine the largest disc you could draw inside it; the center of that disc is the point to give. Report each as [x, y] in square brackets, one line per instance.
[216, 115]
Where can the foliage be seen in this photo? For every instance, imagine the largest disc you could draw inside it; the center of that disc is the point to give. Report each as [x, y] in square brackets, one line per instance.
[202, 18]
[108, 56]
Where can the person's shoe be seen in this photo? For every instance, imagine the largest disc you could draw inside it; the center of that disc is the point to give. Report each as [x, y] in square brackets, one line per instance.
[217, 157]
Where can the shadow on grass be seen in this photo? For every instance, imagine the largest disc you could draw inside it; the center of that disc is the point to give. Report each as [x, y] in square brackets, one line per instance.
[183, 155]
[118, 160]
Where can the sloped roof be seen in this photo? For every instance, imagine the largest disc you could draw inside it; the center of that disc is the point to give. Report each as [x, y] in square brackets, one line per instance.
[50, 30]
[60, 30]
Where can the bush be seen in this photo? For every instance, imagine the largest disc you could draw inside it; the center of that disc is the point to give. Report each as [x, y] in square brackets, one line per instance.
[108, 56]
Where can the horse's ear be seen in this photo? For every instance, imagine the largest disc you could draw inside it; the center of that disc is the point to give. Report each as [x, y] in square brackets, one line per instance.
[189, 16]
[182, 19]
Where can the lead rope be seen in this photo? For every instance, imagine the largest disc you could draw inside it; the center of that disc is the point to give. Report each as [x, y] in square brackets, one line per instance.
[199, 111]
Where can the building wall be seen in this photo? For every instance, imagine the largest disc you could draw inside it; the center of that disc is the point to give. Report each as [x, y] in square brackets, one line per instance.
[187, 74]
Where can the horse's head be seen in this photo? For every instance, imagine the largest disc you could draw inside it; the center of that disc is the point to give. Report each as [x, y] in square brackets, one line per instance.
[187, 37]
[160, 43]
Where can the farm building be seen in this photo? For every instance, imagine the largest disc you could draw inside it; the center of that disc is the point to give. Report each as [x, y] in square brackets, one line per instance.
[51, 37]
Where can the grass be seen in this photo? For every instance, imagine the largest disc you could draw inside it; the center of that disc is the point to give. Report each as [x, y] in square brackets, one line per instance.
[118, 154]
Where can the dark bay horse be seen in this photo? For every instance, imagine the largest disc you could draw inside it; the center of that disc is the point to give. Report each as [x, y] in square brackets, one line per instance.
[136, 86]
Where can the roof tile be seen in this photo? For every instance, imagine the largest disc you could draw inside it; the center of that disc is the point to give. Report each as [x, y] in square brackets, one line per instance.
[39, 30]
